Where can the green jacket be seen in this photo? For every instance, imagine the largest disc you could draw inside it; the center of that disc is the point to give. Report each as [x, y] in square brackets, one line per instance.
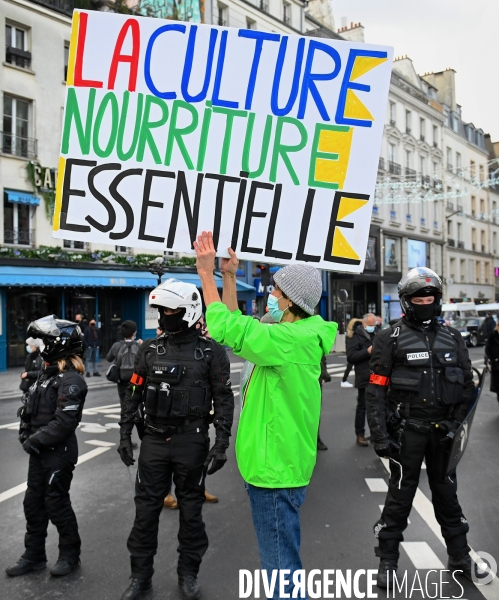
[276, 443]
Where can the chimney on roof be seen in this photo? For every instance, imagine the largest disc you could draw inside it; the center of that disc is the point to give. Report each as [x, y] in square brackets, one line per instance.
[354, 33]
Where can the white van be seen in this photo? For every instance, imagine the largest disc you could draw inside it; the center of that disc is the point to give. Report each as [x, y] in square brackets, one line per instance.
[453, 311]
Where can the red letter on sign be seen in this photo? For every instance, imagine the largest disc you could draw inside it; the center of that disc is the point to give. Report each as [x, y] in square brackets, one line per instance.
[133, 58]
[82, 34]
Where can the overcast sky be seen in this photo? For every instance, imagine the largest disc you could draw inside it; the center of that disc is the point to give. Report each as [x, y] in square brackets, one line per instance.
[437, 34]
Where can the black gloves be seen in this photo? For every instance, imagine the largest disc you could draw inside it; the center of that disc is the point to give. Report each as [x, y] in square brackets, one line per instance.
[217, 455]
[125, 450]
[24, 432]
[31, 446]
[387, 448]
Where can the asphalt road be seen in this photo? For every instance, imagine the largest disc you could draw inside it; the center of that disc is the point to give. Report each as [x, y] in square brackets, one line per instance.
[341, 507]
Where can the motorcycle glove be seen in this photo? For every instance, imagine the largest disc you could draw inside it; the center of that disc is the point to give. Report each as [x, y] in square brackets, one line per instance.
[31, 446]
[125, 450]
[216, 456]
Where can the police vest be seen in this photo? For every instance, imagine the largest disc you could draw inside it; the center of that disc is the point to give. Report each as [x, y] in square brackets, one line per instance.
[425, 373]
[178, 381]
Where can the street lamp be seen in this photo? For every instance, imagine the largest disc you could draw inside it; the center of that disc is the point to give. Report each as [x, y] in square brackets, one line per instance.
[157, 267]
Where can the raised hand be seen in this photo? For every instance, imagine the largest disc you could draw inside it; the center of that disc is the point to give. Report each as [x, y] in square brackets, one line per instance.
[205, 252]
[230, 265]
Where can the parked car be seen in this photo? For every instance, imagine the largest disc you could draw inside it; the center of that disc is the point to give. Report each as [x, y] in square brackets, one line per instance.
[470, 329]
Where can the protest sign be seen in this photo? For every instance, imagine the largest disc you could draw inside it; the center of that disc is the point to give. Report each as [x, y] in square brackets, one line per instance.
[269, 140]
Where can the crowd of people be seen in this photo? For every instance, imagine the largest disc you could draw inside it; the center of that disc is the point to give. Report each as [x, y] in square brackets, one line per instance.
[414, 382]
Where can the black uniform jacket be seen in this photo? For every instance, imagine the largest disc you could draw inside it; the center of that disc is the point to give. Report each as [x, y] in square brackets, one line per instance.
[56, 406]
[177, 347]
[425, 372]
[492, 353]
[358, 355]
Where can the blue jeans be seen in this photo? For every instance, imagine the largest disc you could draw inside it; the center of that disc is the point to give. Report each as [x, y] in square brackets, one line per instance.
[91, 357]
[276, 517]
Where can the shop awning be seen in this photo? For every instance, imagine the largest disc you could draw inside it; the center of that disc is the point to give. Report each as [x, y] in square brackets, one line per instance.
[22, 198]
[64, 277]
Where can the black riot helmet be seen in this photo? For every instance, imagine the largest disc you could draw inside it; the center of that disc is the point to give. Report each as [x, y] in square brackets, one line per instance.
[420, 282]
[61, 338]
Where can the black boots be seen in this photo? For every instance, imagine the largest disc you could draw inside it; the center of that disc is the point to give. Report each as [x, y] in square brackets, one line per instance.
[463, 567]
[137, 589]
[23, 565]
[63, 567]
[189, 587]
[386, 570]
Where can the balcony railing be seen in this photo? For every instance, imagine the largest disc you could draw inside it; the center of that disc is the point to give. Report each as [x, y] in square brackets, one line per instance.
[394, 168]
[264, 6]
[63, 6]
[15, 56]
[24, 237]
[221, 22]
[437, 183]
[286, 19]
[425, 179]
[451, 242]
[381, 164]
[410, 173]
[460, 245]
[17, 145]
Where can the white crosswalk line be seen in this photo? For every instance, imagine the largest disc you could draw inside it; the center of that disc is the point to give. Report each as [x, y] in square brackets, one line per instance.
[422, 556]
[19, 489]
[101, 443]
[376, 484]
[112, 416]
[10, 425]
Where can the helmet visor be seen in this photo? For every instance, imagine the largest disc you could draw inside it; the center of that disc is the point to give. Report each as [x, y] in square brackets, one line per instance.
[44, 326]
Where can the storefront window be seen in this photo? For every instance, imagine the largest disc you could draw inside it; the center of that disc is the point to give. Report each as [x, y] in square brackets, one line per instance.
[392, 254]
[416, 254]
[371, 262]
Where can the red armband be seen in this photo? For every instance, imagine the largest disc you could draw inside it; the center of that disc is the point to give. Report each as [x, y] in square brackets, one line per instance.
[136, 379]
[379, 379]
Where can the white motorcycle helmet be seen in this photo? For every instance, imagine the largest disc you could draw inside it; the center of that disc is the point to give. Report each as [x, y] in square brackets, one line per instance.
[173, 293]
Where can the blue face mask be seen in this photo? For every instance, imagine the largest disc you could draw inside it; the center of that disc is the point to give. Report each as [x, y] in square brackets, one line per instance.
[28, 349]
[273, 305]
[370, 328]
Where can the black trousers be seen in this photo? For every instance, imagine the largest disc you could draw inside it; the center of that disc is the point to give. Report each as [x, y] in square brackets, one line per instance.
[122, 386]
[47, 497]
[405, 469]
[360, 412]
[348, 368]
[183, 456]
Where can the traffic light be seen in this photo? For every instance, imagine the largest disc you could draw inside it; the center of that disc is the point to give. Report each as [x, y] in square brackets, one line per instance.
[265, 275]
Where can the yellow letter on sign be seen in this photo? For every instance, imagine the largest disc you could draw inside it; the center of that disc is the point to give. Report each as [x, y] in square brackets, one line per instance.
[330, 156]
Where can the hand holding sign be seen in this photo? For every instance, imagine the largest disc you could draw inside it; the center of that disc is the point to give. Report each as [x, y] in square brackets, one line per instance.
[230, 265]
[205, 252]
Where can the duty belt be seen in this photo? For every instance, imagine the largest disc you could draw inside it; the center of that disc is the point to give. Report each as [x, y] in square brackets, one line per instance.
[176, 429]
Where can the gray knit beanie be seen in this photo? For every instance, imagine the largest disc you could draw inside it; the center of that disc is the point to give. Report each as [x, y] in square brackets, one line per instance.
[302, 284]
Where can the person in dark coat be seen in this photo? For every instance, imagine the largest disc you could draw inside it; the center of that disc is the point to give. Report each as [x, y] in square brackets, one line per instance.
[488, 326]
[33, 364]
[360, 335]
[91, 343]
[492, 354]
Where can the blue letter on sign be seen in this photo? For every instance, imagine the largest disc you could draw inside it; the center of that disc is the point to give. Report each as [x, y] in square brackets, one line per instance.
[147, 61]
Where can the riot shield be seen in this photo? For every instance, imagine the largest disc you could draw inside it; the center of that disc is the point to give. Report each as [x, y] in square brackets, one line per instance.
[462, 433]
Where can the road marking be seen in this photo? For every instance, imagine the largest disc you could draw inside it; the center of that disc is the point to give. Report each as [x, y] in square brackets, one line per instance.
[101, 443]
[422, 556]
[112, 425]
[22, 487]
[10, 425]
[376, 484]
[112, 416]
[425, 509]
[94, 428]
[107, 410]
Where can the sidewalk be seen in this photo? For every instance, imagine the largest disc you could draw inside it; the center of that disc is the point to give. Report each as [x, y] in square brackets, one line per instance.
[10, 380]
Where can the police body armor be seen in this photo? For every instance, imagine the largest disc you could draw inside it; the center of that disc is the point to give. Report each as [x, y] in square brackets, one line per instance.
[178, 382]
[425, 374]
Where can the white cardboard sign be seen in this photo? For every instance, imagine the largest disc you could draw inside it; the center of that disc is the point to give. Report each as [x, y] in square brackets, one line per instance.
[269, 140]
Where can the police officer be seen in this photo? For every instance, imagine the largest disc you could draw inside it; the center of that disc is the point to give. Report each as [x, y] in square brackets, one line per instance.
[48, 423]
[420, 387]
[183, 378]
